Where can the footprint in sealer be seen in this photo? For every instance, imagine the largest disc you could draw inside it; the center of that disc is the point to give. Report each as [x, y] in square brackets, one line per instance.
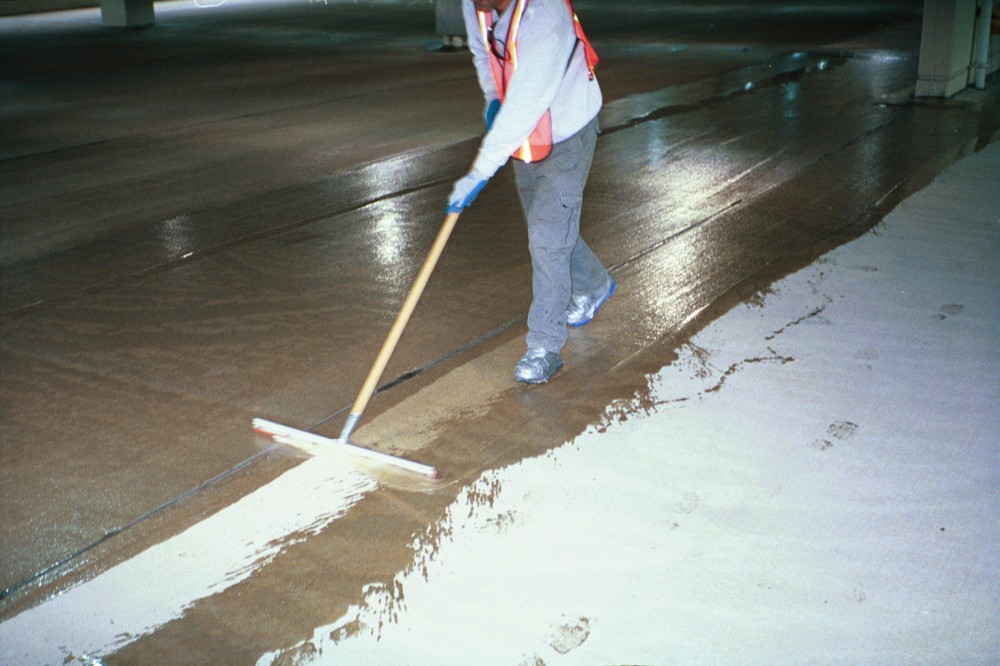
[569, 634]
[842, 430]
[950, 309]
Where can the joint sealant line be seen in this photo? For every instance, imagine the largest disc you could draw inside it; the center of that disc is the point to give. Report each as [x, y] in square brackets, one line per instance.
[52, 568]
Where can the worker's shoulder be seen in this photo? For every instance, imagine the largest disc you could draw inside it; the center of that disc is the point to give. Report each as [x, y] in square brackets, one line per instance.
[548, 14]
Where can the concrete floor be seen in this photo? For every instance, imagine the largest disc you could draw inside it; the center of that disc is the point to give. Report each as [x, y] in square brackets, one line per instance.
[217, 219]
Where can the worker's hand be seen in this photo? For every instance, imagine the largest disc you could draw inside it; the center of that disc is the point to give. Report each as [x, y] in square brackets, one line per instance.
[492, 109]
[465, 190]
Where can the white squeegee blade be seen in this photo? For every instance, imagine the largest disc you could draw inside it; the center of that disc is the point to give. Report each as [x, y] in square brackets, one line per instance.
[316, 444]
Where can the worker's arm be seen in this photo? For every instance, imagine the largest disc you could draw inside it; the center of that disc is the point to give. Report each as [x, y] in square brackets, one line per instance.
[546, 42]
[480, 57]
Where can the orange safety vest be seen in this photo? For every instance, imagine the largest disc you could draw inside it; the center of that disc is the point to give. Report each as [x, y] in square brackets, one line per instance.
[538, 145]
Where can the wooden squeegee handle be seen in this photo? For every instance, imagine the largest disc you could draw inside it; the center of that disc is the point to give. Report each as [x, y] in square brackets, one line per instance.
[389, 346]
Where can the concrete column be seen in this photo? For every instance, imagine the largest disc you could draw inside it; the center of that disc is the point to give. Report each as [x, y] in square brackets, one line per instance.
[946, 47]
[127, 13]
[981, 49]
[449, 22]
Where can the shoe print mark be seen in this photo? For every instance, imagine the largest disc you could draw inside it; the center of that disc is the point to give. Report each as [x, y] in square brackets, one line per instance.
[950, 309]
[842, 430]
[569, 634]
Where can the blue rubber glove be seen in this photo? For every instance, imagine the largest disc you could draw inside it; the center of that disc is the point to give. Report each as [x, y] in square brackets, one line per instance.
[465, 190]
[492, 109]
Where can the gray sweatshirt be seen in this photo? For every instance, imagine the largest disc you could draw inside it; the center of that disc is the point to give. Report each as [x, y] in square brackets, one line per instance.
[541, 82]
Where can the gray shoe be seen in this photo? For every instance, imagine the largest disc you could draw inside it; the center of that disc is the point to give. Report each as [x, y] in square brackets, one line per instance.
[537, 366]
[583, 308]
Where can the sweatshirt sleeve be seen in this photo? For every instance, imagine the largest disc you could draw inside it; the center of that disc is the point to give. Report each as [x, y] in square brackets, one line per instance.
[546, 42]
[480, 57]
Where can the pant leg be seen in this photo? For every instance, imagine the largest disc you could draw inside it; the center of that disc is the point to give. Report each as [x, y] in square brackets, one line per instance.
[551, 194]
[587, 272]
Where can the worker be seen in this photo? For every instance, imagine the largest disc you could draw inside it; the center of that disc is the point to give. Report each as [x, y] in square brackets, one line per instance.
[536, 69]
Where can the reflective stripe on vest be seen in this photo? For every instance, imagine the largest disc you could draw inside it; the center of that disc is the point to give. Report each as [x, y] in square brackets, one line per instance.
[538, 145]
[588, 50]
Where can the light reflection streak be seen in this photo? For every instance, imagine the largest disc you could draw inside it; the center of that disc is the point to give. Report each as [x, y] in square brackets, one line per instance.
[883, 71]
[175, 237]
[389, 238]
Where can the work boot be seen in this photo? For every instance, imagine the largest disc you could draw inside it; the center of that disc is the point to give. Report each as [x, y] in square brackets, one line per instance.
[537, 365]
[583, 308]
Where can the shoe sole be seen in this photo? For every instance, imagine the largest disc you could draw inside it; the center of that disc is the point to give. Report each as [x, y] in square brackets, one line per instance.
[614, 285]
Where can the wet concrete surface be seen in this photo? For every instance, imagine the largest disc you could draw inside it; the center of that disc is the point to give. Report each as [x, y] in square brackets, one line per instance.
[217, 219]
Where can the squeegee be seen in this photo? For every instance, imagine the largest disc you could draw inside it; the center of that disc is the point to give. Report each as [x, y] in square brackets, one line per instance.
[311, 442]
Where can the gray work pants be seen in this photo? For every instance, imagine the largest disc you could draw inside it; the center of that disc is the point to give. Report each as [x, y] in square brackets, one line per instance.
[562, 263]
